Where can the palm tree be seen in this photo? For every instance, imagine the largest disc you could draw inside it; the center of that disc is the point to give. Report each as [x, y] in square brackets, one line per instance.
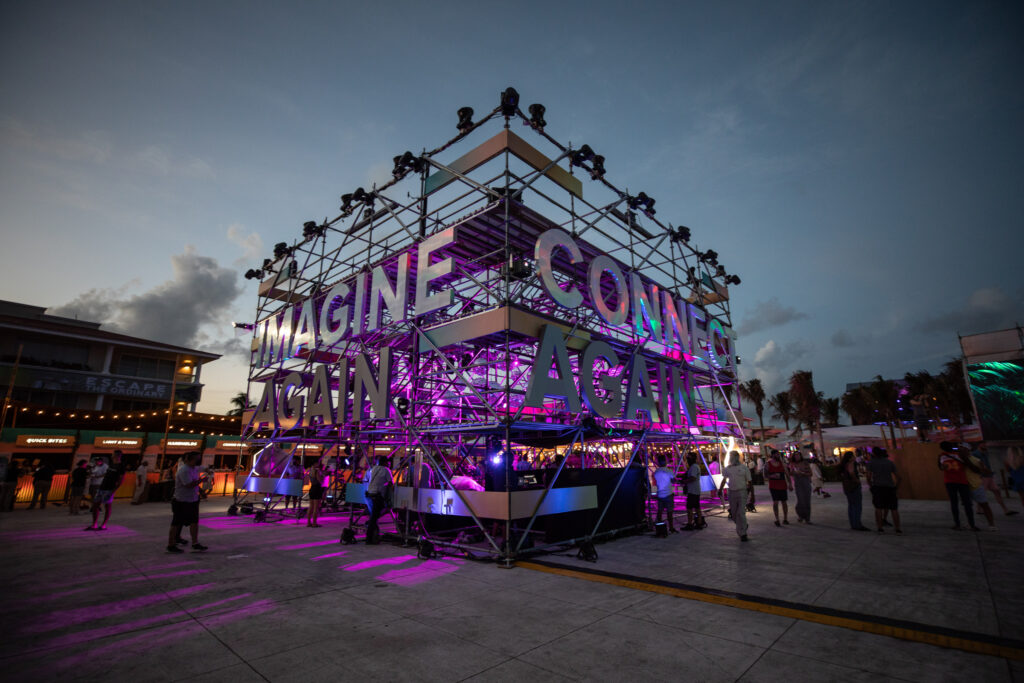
[754, 392]
[858, 406]
[830, 412]
[240, 403]
[807, 402]
[783, 406]
[884, 393]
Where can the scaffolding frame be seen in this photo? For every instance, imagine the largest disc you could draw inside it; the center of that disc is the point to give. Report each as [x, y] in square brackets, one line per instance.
[453, 398]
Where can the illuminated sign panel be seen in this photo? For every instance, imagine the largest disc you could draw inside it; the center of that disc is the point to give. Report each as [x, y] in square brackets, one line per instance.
[117, 442]
[181, 444]
[42, 441]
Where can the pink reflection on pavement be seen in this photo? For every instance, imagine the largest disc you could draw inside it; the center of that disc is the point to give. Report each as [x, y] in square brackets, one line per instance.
[323, 557]
[300, 546]
[410, 576]
[63, 534]
[250, 610]
[370, 564]
[211, 605]
[70, 617]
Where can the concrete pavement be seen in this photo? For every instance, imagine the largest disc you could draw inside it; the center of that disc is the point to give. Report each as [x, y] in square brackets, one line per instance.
[284, 602]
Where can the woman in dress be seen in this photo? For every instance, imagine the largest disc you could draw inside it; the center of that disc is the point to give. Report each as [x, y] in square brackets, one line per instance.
[800, 470]
[316, 493]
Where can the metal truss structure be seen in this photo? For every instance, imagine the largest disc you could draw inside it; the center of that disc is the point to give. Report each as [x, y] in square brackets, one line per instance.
[458, 376]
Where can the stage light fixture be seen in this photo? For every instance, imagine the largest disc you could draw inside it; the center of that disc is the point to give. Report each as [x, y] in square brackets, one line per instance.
[597, 167]
[537, 116]
[363, 197]
[465, 119]
[281, 250]
[253, 274]
[509, 102]
[733, 279]
[425, 551]
[681, 234]
[348, 536]
[407, 162]
[346, 204]
[584, 153]
[403, 405]
[720, 271]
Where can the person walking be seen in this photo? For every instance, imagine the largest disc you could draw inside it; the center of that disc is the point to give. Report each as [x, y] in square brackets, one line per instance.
[316, 493]
[884, 480]
[663, 493]
[42, 480]
[778, 484]
[738, 477]
[377, 491]
[96, 474]
[850, 478]
[1014, 463]
[975, 478]
[800, 470]
[185, 504]
[76, 486]
[988, 479]
[112, 477]
[141, 482]
[9, 485]
[294, 471]
[954, 476]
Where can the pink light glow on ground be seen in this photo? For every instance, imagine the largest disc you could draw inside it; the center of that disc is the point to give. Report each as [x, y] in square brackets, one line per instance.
[384, 561]
[112, 530]
[65, 618]
[410, 576]
[324, 557]
[314, 544]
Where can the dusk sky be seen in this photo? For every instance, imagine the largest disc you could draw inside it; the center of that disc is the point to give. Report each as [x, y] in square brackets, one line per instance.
[859, 165]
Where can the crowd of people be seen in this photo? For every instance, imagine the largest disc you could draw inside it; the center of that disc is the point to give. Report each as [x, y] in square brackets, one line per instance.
[968, 475]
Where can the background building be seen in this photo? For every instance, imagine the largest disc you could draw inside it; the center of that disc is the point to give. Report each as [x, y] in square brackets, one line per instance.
[73, 364]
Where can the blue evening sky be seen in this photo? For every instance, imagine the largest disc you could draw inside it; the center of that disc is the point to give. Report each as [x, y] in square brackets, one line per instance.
[859, 165]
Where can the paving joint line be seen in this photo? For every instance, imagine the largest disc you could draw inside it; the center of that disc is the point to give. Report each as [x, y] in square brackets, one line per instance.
[979, 643]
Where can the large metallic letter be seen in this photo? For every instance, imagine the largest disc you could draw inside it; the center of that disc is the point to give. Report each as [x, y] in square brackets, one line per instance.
[547, 243]
[289, 408]
[645, 309]
[425, 273]
[319, 403]
[612, 406]
[613, 316]
[641, 394]
[377, 388]
[394, 299]
[542, 385]
[332, 330]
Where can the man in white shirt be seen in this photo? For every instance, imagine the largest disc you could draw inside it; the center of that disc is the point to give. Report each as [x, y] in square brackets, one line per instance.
[96, 474]
[185, 504]
[380, 479]
[738, 476]
[663, 486]
[140, 482]
[293, 471]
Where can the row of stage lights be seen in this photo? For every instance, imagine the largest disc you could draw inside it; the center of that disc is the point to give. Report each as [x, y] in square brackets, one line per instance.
[408, 162]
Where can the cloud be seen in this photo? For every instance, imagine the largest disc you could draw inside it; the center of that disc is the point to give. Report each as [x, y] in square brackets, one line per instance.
[843, 339]
[251, 244]
[986, 309]
[90, 146]
[773, 359]
[200, 293]
[768, 314]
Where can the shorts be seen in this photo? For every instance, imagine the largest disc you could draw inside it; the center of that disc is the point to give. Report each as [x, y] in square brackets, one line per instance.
[103, 496]
[979, 495]
[185, 514]
[316, 494]
[884, 497]
[665, 504]
[779, 495]
[693, 501]
[77, 491]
